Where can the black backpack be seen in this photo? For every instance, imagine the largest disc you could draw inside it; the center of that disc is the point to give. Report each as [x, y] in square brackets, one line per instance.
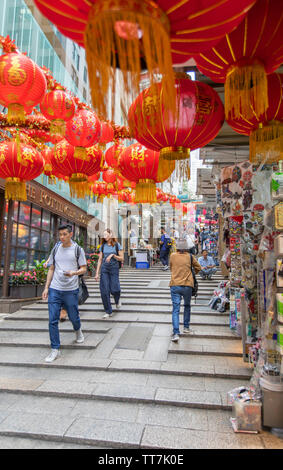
[83, 290]
[117, 253]
[195, 287]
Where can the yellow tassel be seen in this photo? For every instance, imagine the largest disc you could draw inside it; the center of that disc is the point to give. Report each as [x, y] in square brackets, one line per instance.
[57, 126]
[266, 143]
[175, 153]
[81, 154]
[118, 35]
[165, 169]
[146, 192]
[79, 187]
[16, 114]
[15, 189]
[246, 91]
[51, 180]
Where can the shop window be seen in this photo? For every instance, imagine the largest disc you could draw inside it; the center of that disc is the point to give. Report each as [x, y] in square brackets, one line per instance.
[36, 217]
[14, 234]
[45, 241]
[33, 257]
[23, 235]
[16, 210]
[12, 259]
[46, 220]
[35, 238]
[24, 214]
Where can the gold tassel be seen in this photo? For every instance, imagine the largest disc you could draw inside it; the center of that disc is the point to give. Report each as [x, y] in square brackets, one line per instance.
[15, 189]
[16, 114]
[51, 180]
[146, 192]
[246, 90]
[266, 143]
[79, 187]
[117, 36]
[165, 169]
[175, 153]
[57, 126]
[81, 154]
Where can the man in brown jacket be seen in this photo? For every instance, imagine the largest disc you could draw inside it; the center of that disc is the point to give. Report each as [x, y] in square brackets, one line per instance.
[181, 285]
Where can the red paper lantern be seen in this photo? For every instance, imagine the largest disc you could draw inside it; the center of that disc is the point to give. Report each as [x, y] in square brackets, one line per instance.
[64, 162]
[22, 85]
[139, 164]
[242, 59]
[59, 107]
[200, 117]
[135, 35]
[266, 130]
[83, 131]
[47, 154]
[112, 155]
[18, 163]
[107, 133]
[109, 176]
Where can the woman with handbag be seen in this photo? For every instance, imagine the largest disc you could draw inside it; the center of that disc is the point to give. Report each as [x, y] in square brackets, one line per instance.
[183, 265]
[109, 261]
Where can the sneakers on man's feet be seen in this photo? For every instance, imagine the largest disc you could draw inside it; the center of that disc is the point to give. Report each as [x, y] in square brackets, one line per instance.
[175, 338]
[188, 331]
[165, 268]
[53, 355]
[119, 305]
[79, 336]
[107, 315]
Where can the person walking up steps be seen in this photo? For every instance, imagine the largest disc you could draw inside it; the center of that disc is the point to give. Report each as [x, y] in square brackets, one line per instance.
[181, 285]
[110, 257]
[62, 287]
[165, 245]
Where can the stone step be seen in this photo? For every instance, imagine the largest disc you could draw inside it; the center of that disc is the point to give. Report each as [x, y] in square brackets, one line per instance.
[22, 339]
[213, 346]
[32, 325]
[129, 301]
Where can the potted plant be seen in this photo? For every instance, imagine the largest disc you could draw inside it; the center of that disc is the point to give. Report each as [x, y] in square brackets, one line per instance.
[92, 261]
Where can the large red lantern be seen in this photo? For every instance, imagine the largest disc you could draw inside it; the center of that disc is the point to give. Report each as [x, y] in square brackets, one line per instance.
[59, 107]
[22, 85]
[112, 155]
[242, 59]
[139, 164]
[134, 35]
[18, 163]
[83, 131]
[266, 130]
[78, 171]
[200, 115]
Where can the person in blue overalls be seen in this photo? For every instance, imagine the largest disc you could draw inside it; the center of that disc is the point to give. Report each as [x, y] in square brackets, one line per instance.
[110, 257]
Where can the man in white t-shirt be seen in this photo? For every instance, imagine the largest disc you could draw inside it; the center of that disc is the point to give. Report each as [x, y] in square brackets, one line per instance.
[67, 261]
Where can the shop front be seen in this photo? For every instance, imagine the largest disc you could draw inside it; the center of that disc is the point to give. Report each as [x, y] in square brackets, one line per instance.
[29, 230]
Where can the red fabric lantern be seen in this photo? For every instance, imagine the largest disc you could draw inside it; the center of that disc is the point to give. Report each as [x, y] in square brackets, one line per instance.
[200, 117]
[59, 107]
[64, 162]
[112, 155]
[109, 176]
[135, 35]
[83, 131]
[266, 130]
[22, 85]
[242, 59]
[139, 164]
[107, 133]
[19, 163]
[48, 170]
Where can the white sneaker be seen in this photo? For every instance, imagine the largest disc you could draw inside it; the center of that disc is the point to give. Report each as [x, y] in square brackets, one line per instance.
[53, 355]
[79, 336]
[165, 268]
[188, 331]
[119, 305]
[175, 338]
[107, 315]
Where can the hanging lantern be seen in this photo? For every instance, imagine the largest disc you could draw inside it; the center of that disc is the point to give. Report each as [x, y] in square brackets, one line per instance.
[244, 57]
[112, 155]
[266, 130]
[140, 164]
[83, 131]
[107, 133]
[16, 170]
[22, 85]
[59, 107]
[78, 171]
[109, 176]
[47, 154]
[199, 117]
[136, 35]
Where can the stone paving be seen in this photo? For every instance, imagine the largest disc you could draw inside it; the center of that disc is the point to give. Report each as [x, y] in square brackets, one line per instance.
[127, 385]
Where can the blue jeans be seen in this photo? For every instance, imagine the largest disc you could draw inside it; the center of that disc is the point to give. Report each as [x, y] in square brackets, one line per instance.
[177, 292]
[164, 256]
[109, 284]
[58, 299]
[207, 272]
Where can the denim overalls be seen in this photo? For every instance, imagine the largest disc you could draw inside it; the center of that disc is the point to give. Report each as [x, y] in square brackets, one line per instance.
[109, 283]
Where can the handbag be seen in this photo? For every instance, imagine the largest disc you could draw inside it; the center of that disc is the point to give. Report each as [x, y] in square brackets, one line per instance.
[195, 286]
[83, 291]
